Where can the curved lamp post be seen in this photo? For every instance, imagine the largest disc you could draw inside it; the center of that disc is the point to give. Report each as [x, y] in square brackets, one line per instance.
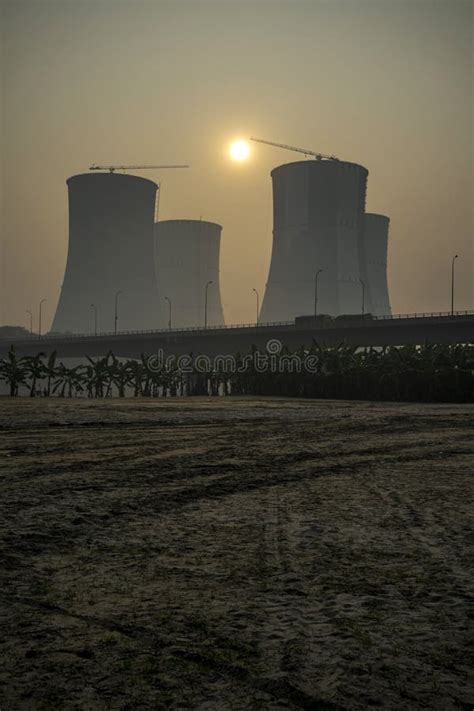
[363, 296]
[31, 321]
[316, 291]
[258, 303]
[40, 312]
[169, 312]
[205, 303]
[452, 284]
[93, 306]
[117, 294]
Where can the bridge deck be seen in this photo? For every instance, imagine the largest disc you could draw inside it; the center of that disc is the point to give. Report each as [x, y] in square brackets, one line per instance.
[436, 328]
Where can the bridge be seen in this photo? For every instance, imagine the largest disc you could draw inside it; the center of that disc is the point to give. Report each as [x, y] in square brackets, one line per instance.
[396, 330]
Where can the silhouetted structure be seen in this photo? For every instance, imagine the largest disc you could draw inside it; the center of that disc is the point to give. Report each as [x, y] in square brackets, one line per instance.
[187, 258]
[376, 246]
[111, 250]
[12, 332]
[318, 221]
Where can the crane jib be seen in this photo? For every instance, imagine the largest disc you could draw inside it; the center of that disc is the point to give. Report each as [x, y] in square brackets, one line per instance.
[112, 168]
[318, 156]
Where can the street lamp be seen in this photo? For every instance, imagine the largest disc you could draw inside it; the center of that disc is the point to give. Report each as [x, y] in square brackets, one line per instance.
[40, 311]
[316, 291]
[117, 294]
[452, 284]
[169, 312]
[93, 306]
[363, 296]
[205, 303]
[31, 321]
[258, 303]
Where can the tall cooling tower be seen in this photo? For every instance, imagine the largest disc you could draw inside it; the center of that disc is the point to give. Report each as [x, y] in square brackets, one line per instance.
[111, 249]
[318, 219]
[376, 246]
[187, 258]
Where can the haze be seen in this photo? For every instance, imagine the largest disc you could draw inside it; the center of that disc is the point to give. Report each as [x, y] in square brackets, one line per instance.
[385, 84]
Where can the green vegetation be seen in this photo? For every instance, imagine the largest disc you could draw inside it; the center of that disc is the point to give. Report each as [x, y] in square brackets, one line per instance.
[429, 373]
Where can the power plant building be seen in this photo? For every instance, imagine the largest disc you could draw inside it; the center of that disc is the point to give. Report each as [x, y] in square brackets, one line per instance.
[318, 224]
[111, 250]
[376, 247]
[187, 259]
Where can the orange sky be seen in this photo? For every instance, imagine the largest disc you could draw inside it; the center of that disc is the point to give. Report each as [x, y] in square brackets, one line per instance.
[385, 83]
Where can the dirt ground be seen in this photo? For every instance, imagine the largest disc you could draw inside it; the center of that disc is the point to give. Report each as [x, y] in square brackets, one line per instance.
[235, 554]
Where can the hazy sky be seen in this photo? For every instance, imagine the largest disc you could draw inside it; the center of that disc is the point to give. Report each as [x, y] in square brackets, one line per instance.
[384, 83]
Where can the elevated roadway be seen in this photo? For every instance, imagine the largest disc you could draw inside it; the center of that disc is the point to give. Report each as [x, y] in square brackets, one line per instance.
[230, 340]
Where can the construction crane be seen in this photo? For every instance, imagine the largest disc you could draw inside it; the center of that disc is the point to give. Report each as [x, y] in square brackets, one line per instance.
[113, 168]
[318, 156]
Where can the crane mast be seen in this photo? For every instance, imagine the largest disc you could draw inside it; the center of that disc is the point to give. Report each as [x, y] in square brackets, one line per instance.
[318, 156]
[113, 168]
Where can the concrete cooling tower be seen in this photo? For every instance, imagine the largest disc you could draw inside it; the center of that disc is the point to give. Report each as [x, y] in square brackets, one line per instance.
[187, 258]
[318, 221]
[111, 249]
[376, 245]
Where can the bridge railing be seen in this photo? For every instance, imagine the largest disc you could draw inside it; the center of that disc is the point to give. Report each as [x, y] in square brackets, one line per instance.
[430, 314]
[161, 332]
[196, 329]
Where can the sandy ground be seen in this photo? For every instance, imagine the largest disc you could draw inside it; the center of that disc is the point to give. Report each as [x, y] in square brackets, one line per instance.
[235, 554]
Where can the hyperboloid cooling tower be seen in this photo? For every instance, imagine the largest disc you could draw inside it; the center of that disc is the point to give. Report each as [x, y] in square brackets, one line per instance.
[376, 245]
[187, 257]
[111, 250]
[318, 221]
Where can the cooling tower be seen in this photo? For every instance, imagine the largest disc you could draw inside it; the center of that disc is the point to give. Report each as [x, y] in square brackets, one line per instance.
[111, 249]
[318, 212]
[376, 245]
[187, 258]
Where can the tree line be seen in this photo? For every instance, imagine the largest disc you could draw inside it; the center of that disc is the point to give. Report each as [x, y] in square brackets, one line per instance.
[428, 373]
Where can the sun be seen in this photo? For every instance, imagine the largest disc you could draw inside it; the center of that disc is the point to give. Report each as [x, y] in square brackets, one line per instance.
[239, 150]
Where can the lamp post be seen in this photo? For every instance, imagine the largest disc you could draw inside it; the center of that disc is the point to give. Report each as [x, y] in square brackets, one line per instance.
[169, 312]
[117, 294]
[452, 284]
[316, 291]
[205, 303]
[40, 312]
[258, 303]
[363, 296]
[31, 321]
[93, 306]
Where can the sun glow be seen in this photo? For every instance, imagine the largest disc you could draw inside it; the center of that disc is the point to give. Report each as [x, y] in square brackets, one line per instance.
[239, 150]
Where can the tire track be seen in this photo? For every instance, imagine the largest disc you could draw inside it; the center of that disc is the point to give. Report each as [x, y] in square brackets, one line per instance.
[280, 689]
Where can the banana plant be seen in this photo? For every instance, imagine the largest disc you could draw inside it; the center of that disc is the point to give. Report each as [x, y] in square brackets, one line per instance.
[69, 379]
[120, 374]
[50, 369]
[13, 371]
[35, 370]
